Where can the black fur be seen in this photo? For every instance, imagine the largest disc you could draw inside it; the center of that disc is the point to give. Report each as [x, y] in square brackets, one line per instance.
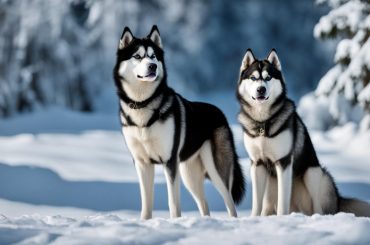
[302, 154]
[283, 116]
[201, 119]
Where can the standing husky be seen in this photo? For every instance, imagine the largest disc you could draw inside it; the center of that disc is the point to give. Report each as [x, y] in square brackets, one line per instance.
[285, 172]
[160, 126]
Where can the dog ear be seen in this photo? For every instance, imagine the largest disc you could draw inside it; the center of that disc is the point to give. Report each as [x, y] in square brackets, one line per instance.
[247, 60]
[274, 59]
[155, 37]
[126, 38]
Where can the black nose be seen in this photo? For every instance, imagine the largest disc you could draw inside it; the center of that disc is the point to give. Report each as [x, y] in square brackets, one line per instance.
[152, 67]
[261, 90]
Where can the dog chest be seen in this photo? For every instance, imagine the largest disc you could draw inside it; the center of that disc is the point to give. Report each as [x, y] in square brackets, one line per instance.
[274, 148]
[151, 143]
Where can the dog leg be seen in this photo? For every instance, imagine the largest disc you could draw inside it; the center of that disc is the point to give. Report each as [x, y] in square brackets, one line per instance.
[145, 172]
[259, 178]
[284, 179]
[209, 164]
[269, 198]
[192, 174]
[313, 179]
[173, 190]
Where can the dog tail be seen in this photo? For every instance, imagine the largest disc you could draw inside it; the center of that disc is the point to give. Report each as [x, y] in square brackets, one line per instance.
[227, 163]
[238, 186]
[357, 207]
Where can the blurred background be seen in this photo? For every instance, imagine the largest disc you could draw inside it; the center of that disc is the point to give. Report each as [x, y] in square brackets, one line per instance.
[62, 52]
[60, 140]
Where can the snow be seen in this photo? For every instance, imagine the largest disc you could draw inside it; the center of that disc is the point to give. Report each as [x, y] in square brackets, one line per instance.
[119, 229]
[344, 85]
[67, 178]
[315, 111]
[348, 15]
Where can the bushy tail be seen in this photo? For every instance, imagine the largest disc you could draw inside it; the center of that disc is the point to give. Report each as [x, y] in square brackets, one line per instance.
[227, 163]
[238, 188]
[357, 207]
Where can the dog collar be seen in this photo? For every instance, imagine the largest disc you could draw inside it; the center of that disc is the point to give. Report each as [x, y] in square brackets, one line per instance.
[141, 104]
[261, 131]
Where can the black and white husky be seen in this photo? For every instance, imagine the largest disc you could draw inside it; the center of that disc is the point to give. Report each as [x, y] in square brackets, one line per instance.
[285, 172]
[160, 126]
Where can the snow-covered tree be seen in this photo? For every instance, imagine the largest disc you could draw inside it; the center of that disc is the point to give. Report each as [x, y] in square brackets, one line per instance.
[347, 84]
[62, 52]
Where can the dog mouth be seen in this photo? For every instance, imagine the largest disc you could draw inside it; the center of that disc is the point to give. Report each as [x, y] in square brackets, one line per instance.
[150, 75]
[260, 98]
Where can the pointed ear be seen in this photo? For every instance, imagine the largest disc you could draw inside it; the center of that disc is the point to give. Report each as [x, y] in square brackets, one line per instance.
[155, 37]
[274, 59]
[126, 38]
[247, 60]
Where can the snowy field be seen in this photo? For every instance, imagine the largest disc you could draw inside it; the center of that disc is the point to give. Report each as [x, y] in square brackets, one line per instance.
[67, 178]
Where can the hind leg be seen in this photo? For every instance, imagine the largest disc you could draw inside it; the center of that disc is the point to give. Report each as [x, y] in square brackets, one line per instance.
[312, 179]
[192, 174]
[209, 164]
[322, 190]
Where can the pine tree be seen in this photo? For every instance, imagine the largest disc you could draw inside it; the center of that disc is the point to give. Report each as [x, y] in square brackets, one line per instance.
[346, 85]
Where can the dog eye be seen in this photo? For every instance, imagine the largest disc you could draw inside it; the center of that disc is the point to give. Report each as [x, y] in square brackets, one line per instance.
[268, 78]
[253, 78]
[153, 56]
[136, 56]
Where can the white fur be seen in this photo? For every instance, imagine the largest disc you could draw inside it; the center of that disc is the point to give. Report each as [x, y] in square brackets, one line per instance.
[146, 179]
[173, 190]
[135, 71]
[125, 40]
[248, 89]
[259, 178]
[151, 142]
[274, 59]
[269, 148]
[256, 74]
[284, 179]
[273, 149]
[209, 164]
[192, 174]
[270, 197]
[156, 38]
[248, 59]
[314, 180]
[264, 74]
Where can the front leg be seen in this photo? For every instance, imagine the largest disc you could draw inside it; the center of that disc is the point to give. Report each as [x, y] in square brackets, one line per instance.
[173, 188]
[284, 170]
[259, 178]
[145, 172]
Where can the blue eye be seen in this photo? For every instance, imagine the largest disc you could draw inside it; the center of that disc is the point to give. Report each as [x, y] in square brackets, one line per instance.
[137, 56]
[153, 56]
[268, 78]
[253, 78]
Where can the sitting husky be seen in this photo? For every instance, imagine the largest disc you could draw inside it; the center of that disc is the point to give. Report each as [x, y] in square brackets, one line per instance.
[161, 127]
[285, 172]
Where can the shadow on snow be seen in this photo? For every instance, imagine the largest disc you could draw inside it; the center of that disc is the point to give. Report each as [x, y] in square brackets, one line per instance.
[41, 186]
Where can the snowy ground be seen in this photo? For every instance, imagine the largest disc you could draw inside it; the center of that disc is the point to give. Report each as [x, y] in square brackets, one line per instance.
[67, 178]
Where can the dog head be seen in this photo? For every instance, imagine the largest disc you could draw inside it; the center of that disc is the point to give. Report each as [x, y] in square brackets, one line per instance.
[260, 81]
[140, 61]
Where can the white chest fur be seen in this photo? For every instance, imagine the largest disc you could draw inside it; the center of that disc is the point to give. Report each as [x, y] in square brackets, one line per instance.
[154, 142]
[269, 148]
